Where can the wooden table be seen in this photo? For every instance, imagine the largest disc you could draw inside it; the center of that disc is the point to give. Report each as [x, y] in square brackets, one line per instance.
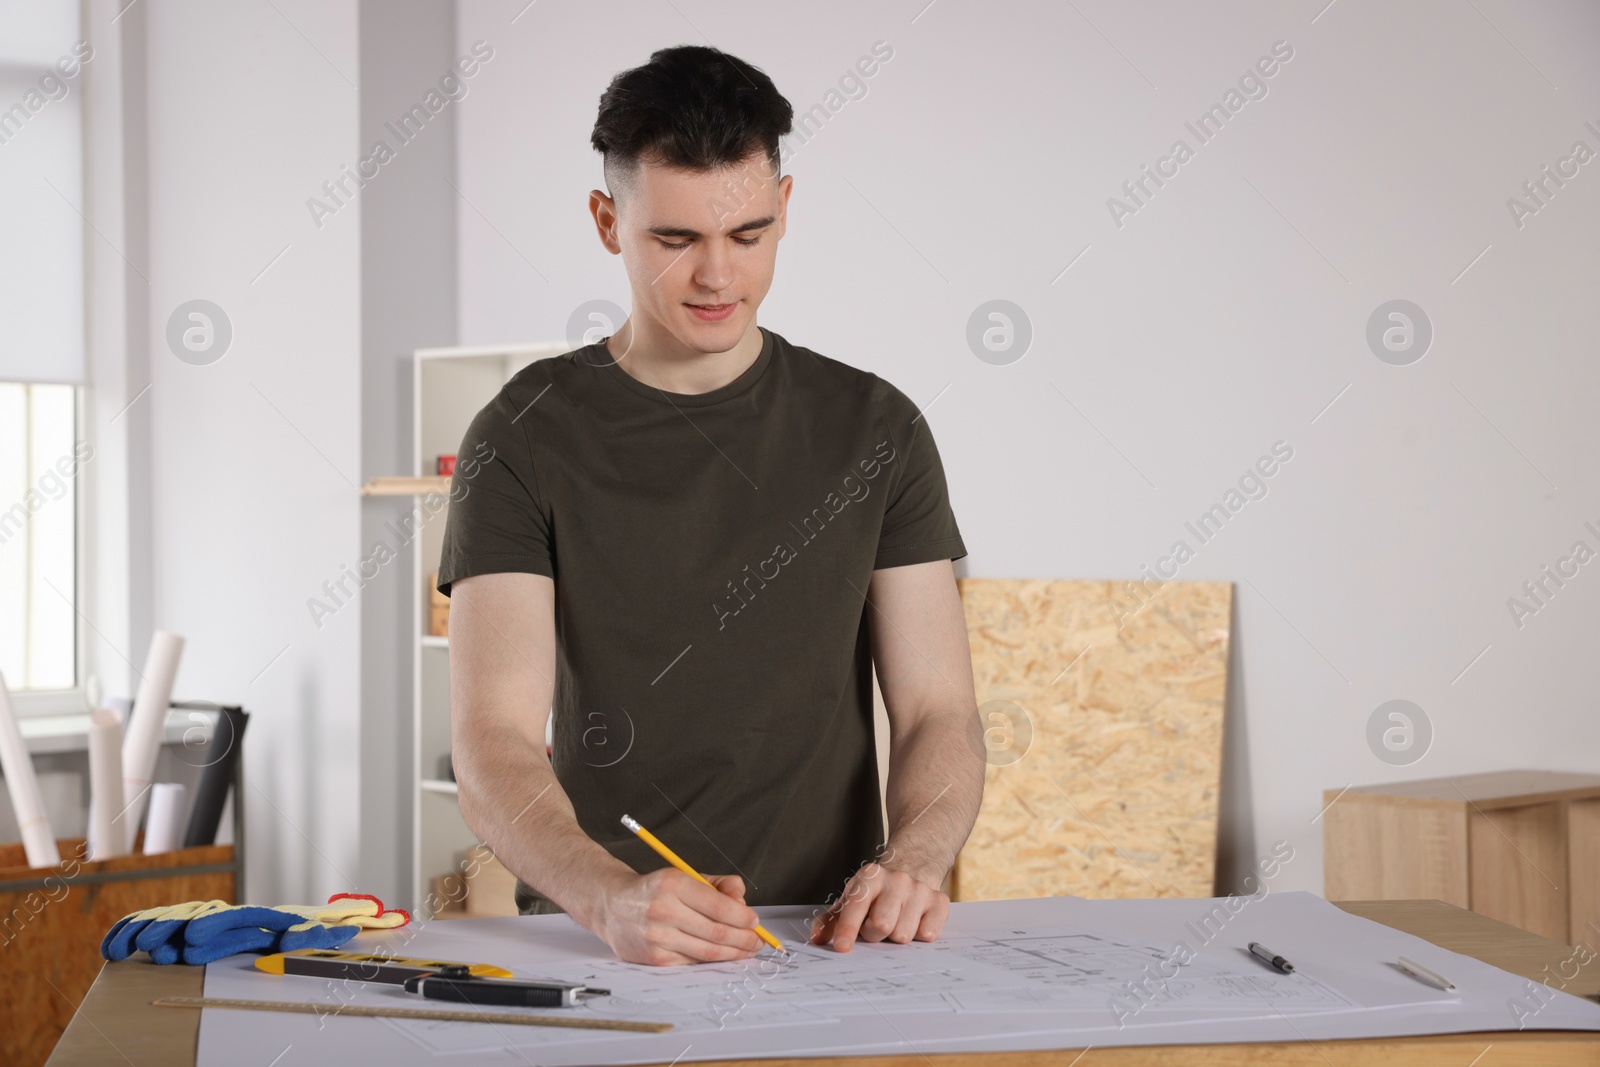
[116, 1025]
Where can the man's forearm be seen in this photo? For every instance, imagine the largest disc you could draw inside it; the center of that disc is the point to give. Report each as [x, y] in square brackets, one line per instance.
[510, 798]
[934, 789]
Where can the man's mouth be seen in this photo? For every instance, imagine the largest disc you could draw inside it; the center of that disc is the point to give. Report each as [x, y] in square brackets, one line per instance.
[712, 312]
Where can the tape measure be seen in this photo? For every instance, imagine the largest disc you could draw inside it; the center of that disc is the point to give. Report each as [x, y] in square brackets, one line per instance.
[361, 967]
[361, 1011]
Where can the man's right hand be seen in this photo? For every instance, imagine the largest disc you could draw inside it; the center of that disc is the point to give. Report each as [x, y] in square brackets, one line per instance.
[665, 918]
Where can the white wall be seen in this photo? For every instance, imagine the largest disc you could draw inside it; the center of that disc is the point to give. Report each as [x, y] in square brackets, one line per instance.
[225, 493]
[1227, 314]
[255, 458]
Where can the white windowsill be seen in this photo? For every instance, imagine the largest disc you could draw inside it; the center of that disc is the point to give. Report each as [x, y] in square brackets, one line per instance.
[70, 733]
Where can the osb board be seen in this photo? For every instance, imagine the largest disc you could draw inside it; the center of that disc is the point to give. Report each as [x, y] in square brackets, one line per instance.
[50, 935]
[1102, 704]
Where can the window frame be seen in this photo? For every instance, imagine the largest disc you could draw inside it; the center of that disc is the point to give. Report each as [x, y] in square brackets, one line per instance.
[35, 703]
[78, 700]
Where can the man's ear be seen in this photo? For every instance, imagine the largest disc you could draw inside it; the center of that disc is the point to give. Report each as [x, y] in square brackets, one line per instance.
[785, 184]
[604, 210]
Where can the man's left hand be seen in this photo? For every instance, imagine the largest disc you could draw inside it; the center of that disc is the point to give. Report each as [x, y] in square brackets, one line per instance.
[882, 904]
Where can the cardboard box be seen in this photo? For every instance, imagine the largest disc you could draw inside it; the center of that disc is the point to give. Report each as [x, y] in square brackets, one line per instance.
[491, 889]
[438, 609]
[449, 896]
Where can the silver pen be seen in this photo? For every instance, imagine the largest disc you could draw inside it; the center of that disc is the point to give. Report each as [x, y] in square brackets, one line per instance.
[1273, 960]
[1424, 974]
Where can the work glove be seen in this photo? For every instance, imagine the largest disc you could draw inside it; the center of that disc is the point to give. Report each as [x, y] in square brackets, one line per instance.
[201, 931]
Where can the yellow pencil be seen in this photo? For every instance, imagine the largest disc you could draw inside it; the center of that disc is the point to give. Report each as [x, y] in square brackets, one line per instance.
[672, 857]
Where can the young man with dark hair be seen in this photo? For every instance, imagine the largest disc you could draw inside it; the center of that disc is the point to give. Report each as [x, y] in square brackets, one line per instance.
[692, 541]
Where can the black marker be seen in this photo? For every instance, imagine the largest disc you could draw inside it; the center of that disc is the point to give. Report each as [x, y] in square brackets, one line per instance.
[1275, 961]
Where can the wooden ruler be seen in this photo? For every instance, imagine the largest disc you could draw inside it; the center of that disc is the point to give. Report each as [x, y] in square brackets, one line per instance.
[495, 1017]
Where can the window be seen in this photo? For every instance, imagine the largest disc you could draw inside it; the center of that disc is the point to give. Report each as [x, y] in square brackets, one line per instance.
[43, 438]
[39, 461]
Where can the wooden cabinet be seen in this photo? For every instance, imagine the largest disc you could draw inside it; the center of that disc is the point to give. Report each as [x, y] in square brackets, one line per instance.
[1519, 846]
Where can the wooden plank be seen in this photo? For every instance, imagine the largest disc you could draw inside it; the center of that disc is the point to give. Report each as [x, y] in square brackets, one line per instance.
[1494, 789]
[404, 485]
[1376, 850]
[1103, 714]
[1519, 867]
[1583, 873]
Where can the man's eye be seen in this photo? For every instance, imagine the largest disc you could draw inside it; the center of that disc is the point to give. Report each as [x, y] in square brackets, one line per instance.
[685, 244]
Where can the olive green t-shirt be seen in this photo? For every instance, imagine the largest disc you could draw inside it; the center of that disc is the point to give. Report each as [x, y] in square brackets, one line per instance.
[711, 556]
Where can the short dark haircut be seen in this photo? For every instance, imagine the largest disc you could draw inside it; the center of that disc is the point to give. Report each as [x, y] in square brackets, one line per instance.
[692, 107]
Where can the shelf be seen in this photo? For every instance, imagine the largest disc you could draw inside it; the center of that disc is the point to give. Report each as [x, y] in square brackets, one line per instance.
[394, 485]
[449, 388]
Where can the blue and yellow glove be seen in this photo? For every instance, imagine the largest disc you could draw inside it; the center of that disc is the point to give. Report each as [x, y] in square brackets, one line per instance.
[201, 931]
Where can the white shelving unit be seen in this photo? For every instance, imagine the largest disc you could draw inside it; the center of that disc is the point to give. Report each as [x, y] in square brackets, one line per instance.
[450, 386]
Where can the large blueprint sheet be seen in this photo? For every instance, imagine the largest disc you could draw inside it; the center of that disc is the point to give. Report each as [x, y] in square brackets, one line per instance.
[1006, 975]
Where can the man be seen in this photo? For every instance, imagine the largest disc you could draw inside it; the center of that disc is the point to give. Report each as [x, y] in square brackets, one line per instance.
[694, 540]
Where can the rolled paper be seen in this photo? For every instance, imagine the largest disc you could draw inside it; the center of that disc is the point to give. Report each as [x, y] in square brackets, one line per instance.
[141, 742]
[107, 837]
[163, 830]
[38, 841]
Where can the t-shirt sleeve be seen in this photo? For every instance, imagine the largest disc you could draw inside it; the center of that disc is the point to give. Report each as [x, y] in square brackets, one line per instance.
[497, 520]
[918, 524]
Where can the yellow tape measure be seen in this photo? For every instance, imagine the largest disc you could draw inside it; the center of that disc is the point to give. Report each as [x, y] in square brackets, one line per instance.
[495, 1017]
[327, 963]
